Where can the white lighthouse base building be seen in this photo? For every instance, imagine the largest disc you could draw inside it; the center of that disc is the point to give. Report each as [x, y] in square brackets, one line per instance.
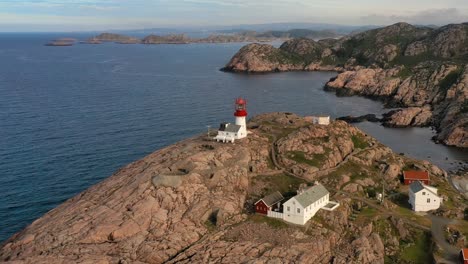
[228, 132]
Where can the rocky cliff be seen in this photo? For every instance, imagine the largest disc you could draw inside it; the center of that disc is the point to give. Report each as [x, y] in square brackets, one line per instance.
[404, 65]
[192, 203]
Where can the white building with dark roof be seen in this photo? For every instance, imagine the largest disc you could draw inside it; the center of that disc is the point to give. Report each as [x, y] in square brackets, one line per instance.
[423, 198]
[228, 132]
[302, 207]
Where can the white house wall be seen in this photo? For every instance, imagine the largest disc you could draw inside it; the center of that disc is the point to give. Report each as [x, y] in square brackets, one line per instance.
[304, 214]
[420, 202]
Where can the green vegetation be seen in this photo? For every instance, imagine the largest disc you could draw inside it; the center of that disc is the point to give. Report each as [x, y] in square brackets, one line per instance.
[418, 252]
[371, 193]
[450, 79]
[404, 73]
[411, 61]
[285, 184]
[359, 142]
[209, 225]
[464, 108]
[272, 222]
[300, 157]
[284, 57]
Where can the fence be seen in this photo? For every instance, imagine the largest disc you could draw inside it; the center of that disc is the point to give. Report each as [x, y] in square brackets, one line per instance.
[275, 214]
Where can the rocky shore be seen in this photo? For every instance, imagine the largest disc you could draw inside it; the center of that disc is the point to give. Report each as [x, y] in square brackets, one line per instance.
[424, 71]
[192, 203]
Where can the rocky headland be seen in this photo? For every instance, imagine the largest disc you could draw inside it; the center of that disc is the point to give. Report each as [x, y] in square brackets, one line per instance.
[423, 71]
[192, 202]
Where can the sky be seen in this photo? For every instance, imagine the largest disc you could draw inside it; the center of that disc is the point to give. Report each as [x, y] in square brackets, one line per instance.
[89, 15]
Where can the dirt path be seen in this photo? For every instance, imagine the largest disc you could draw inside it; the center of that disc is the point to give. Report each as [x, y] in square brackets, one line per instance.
[438, 234]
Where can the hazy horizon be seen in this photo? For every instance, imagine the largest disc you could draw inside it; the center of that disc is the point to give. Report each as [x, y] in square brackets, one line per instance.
[98, 15]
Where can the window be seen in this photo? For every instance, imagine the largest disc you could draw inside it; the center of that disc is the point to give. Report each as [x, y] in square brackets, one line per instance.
[298, 210]
[424, 193]
[289, 209]
[428, 200]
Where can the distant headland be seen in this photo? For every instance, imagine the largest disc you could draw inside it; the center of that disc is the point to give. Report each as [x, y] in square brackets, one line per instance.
[244, 36]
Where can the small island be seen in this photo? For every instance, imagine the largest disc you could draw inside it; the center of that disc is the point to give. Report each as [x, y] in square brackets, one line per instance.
[62, 42]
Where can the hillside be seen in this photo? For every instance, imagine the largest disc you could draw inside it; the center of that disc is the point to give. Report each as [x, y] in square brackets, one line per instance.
[192, 202]
[403, 65]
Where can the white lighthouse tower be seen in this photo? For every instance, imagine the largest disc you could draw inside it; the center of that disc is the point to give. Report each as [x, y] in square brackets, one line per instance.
[241, 114]
[228, 132]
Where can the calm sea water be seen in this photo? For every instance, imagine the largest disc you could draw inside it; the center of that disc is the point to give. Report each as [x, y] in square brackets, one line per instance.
[71, 116]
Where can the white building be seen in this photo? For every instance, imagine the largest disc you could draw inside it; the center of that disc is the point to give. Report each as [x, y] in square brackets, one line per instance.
[302, 207]
[423, 198]
[228, 132]
[321, 120]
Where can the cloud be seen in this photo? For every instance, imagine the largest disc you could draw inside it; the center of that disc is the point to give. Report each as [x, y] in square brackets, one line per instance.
[425, 17]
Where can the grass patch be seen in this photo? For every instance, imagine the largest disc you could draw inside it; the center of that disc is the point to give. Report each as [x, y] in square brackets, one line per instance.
[404, 73]
[299, 157]
[272, 222]
[209, 225]
[359, 142]
[418, 252]
[450, 79]
[287, 185]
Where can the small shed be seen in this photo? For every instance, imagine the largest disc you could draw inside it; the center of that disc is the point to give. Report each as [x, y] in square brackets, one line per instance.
[414, 176]
[464, 256]
[269, 203]
[321, 120]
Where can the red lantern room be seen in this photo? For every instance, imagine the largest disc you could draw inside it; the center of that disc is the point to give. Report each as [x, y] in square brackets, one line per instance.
[241, 110]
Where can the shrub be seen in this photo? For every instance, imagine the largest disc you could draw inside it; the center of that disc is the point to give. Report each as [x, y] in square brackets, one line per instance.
[450, 79]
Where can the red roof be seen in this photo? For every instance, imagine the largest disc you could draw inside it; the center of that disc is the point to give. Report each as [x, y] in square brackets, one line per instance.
[465, 253]
[416, 175]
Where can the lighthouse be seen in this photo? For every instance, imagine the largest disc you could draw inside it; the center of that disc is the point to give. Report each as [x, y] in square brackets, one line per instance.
[228, 132]
[241, 114]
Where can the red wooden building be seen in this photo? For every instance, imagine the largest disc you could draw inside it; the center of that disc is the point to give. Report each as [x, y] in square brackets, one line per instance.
[269, 203]
[464, 256]
[412, 176]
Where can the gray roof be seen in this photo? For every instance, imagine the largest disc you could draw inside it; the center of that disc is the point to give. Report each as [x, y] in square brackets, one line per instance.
[272, 198]
[312, 195]
[227, 127]
[418, 186]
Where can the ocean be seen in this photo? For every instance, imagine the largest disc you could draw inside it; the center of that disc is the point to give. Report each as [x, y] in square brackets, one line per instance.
[71, 116]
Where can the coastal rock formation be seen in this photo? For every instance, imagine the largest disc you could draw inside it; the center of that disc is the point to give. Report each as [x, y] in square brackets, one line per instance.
[434, 94]
[192, 203]
[401, 64]
[411, 116]
[262, 58]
